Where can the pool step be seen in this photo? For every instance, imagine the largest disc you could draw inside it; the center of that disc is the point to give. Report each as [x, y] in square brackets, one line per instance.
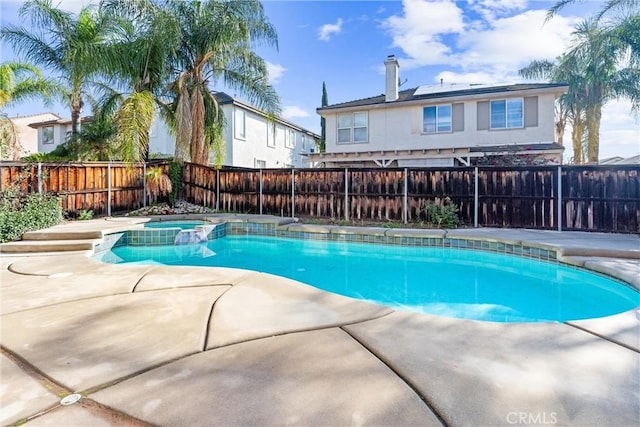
[61, 235]
[36, 246]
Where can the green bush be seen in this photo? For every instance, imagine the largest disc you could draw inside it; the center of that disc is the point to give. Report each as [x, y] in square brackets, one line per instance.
[442, 216]
[21, 213]
[85, 215]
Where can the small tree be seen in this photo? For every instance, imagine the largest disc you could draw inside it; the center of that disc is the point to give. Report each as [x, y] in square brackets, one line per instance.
[323, 121]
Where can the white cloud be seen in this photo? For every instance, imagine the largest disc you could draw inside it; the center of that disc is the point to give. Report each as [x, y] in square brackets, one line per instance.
[328, 30]
[494, 44]
[275, 71]
[291, 111]
[619, 131]
[419, 31]
[492, 9]
[512, 42]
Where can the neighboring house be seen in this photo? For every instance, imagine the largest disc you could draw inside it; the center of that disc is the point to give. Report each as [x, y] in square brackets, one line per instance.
[27, 135]
[442, 125]
[51, 133]
[254, 140]
[251, 138]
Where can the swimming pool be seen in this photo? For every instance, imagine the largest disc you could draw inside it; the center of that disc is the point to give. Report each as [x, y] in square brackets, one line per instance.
[443, 281]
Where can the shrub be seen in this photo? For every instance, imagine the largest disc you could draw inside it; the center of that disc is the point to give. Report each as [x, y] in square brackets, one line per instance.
[444, 215]
[22, 213]
[85, 215]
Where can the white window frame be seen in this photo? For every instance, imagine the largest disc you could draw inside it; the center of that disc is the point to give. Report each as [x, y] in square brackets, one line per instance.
[281, 133]
[47, 135]
[289, 138]
[437, 123]
[271, 135]
[259, 163]
[240, 124]
[507, 124]
[352, 127]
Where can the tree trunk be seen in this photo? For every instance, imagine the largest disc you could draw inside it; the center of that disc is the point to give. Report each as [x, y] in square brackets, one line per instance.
[560, 124]
[76, 116]
[199, 150]
[594, 116]
[576, 138]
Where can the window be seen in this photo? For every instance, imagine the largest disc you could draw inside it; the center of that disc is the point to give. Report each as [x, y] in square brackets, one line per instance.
[353, 127]
[507, 114]
[47, 135]
[290, 138]
[260, 164]
[271, 135]
[280, 136]
[240, 124]
[436, 119]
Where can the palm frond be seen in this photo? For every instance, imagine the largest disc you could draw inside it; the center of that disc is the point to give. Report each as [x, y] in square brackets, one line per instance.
[134, 120]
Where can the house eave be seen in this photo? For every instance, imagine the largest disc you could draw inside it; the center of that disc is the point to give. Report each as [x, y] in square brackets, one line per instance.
[430, 153]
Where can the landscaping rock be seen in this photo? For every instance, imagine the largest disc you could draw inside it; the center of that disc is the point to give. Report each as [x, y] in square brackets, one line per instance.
[181, 207]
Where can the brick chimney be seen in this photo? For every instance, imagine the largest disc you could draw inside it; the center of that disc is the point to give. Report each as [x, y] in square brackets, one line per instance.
[391, 86]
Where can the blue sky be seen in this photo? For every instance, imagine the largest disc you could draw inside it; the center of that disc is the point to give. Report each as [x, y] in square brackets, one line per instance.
[344, 43]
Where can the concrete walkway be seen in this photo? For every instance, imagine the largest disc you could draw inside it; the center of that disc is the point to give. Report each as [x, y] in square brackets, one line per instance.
[193, 346]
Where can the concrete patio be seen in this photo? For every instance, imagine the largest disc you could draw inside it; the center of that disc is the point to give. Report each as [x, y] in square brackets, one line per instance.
[194, 346]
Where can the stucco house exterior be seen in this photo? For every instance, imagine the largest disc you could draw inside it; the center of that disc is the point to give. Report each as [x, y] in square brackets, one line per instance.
[28, 135]
[252, 139]
[441, 125]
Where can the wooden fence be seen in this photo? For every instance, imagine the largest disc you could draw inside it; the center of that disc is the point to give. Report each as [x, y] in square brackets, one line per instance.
[594, 198]
[103, 187]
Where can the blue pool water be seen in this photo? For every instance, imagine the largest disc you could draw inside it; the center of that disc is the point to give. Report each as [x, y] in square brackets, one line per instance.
[184, 225]
[443, 281]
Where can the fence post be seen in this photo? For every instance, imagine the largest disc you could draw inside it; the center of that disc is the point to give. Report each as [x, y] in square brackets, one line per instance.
[217, 190]
[405, 210]
[144, 185]
[109, 188]
[559, 198]
[260, 191]
[293, 193]
[346, 194]
[475, 198]
[39, 178]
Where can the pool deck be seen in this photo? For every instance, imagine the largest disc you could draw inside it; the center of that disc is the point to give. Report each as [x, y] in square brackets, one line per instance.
[195, 346]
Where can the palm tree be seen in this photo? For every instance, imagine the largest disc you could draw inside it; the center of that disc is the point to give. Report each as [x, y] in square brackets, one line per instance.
[569, 107]
[598, 68]
[63, 43]
[18, 82]
[216, 44]
[609, 6]
[139, 53]
[609, 73]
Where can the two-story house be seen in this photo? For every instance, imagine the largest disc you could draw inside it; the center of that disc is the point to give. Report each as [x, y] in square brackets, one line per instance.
[441, 125]
[27, 135]
[252, 138]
